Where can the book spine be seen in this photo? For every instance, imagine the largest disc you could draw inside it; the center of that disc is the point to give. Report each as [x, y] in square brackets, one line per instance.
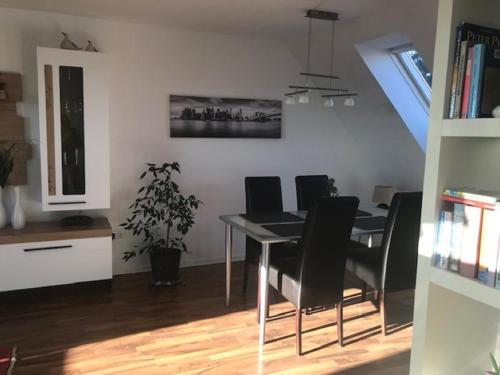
[476, 80]
[456, 236]
[444, 240]
[466, 201]
[469, 255]
[460, 78]
[488, 250]
[466, 91]
[455, 70]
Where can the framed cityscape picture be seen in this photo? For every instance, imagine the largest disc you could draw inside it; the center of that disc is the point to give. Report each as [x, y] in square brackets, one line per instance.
[206, 117]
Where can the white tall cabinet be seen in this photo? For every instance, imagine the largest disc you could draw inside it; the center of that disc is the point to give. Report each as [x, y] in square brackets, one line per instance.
[74, 129]
[456, 319]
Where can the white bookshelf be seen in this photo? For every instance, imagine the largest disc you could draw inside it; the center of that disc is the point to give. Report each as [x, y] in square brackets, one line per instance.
[456, 319]
[482, 128]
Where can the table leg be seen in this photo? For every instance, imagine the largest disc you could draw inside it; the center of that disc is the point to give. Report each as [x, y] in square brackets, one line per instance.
[264, 290]
[229, 259]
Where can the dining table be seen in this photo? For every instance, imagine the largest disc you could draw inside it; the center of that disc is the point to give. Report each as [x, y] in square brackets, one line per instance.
[280, 227]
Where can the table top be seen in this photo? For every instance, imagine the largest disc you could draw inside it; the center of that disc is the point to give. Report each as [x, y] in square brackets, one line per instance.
[258, 233]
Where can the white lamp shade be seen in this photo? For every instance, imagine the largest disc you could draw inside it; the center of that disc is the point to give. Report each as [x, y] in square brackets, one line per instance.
[290, 100]
[383, 194]
[349, 102]
[304, 99]
[329, 102]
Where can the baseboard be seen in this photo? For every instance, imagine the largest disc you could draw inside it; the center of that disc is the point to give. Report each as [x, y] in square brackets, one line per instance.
[185, 263]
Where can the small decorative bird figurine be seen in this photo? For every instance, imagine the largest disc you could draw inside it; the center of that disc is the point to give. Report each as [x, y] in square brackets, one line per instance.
[67, 43]
[90, 47]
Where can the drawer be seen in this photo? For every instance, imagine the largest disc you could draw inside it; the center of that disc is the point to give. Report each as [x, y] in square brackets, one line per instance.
[38, 264]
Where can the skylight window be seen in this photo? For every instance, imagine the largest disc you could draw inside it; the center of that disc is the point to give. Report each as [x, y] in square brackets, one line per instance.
[415, 69]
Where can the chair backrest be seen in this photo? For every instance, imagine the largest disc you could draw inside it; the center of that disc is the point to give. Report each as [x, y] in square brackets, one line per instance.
[399, 250]
[309, 189]
[324, 245]
[263, 194]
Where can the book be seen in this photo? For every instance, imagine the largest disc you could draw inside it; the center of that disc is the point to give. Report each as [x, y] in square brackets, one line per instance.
[466, 89]
[443, 246]
[455, 69]
[490, 94]
[469, 202]
[462, 61]
[488, 249]
[457, 230]
[474, 34]
[469, 252]
[476, 81]
[473, 194]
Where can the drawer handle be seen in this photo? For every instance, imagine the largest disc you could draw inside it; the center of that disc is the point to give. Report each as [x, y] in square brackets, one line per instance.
[48, 248]
[75, 202]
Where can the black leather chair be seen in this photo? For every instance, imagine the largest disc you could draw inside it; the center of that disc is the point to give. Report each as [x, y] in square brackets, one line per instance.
[310, 188]
[392, 266]
[263, 195]
[316, 277]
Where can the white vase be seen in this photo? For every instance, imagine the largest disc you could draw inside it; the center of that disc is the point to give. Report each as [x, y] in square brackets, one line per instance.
[496, 112]
[18, 219]
[3, 213]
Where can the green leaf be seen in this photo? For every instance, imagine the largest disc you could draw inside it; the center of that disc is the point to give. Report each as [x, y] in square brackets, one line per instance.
[494, 364]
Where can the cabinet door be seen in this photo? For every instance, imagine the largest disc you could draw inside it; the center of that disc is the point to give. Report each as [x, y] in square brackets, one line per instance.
[74, 131]
[39, 264]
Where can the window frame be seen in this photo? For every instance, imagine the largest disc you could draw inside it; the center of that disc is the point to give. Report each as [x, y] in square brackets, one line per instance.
[411, 74]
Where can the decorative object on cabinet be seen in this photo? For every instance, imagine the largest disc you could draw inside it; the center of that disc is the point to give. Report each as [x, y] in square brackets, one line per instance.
[6, 165]
[18, 219]
[74, 135]
[161, 205]
[12, 127]
[496, 112]
[333, 191]
[204, 117]
[67, 43]
[3, 93]
[45, 254]
[90, 47]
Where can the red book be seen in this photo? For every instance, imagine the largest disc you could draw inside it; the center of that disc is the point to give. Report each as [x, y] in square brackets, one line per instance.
[466, 90]
[468, 202]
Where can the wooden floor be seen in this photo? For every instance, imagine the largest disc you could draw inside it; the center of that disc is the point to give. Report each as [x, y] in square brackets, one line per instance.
[188, 330]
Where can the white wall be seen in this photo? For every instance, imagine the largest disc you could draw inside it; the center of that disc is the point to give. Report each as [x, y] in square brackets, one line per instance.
[148, 64]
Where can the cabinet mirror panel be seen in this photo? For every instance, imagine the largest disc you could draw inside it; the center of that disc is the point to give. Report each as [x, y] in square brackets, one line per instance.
[72, 130]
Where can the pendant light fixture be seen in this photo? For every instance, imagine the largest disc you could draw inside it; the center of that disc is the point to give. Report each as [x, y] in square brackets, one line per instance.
[301, 91]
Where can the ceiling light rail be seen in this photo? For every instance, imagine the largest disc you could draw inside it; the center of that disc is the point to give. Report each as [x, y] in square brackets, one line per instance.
[302, 90]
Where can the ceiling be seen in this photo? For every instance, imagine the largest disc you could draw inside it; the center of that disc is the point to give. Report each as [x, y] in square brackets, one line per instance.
[264, 18]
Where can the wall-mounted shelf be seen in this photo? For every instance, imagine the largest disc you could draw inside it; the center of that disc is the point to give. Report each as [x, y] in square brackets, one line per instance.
[481, 127]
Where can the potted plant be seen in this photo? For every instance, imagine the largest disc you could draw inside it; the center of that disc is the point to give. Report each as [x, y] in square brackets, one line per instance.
[494, 364]
[161, 216]
[332, 189]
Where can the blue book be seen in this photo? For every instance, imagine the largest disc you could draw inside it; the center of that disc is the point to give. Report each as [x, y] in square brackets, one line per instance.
[476, 81]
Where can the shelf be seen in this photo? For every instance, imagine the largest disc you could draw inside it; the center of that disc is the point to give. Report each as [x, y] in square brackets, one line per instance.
[470, 288]
[481, 127]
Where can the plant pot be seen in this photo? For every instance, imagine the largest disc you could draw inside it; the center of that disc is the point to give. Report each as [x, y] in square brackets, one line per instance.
[165, 265]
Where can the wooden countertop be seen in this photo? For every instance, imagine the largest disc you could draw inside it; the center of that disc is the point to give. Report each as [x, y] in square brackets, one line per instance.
[53, 231]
